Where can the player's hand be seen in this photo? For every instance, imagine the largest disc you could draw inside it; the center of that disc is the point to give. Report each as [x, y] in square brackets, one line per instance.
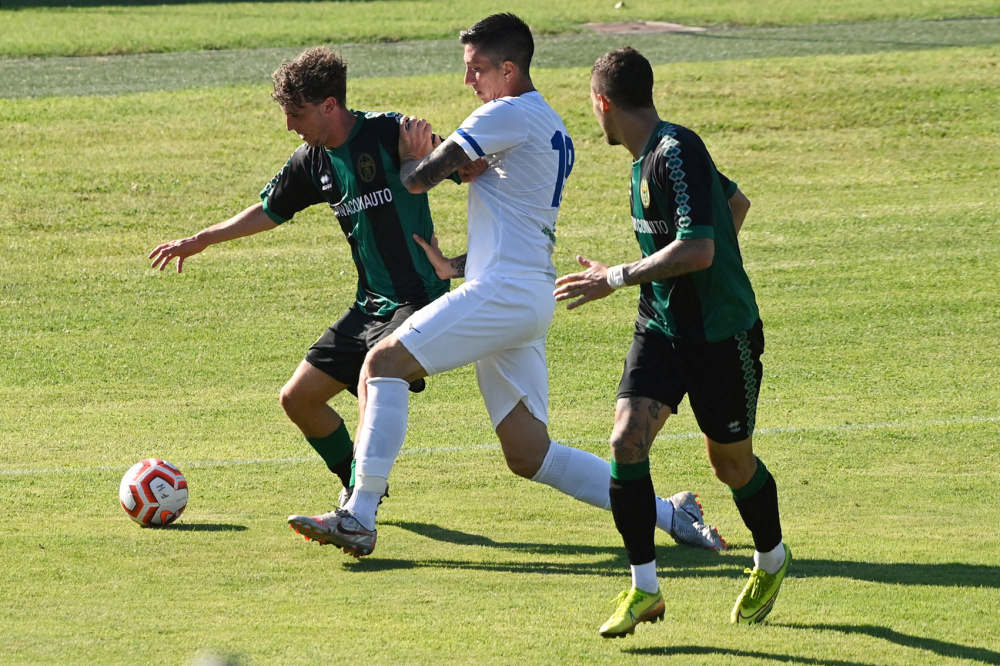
[590, 285]
[444, 267]
[416, 139]
[473, 169]
[183, 248]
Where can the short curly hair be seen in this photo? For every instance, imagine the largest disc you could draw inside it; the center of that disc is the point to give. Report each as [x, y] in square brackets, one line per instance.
[316, 74]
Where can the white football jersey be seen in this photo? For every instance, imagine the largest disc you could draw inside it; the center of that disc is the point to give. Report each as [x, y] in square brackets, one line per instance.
[514, 203]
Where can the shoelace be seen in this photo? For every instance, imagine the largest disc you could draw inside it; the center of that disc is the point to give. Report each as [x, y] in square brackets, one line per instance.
[756, 585]
[621, 597]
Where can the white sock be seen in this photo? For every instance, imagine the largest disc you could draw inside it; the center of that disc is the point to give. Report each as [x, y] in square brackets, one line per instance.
[772, 560]
[585, 477]
[579, 474]
[664, 514]
[378, 445]
[644, 577]
[364, 504]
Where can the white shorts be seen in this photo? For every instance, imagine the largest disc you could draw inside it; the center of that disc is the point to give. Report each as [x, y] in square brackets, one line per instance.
[499, 324]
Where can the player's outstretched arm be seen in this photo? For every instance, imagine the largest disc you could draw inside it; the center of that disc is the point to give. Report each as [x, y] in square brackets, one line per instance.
[251, 221]
[445, 268]
[590, 285]
[599, 280]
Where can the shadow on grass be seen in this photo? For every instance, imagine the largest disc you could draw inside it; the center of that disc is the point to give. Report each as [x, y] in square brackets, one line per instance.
[694, 562]
[206, 527]
[613, 560]
[938, 647]
[687, 650]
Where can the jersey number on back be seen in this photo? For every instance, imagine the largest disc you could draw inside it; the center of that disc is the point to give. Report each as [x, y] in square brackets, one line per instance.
[564, 146]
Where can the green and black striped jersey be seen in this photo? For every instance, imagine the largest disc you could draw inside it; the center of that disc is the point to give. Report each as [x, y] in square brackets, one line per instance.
[360, 182]
[677, 193]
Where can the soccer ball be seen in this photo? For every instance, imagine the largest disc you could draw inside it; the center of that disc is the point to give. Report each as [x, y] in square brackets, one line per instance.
[153, 493]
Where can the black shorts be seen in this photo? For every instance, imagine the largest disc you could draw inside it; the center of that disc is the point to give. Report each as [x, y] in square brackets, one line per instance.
[340, 351]
[721, 379]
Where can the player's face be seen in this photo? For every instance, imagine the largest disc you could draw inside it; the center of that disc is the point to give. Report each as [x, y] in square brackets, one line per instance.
[307, 122]
[488, 81]
[602, 119]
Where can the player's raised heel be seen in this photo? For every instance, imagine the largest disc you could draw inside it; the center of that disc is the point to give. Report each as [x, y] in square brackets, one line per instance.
[689, 526]
[634, 606]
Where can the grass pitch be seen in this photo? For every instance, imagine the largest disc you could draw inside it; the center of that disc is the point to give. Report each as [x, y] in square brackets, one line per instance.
[873, 246]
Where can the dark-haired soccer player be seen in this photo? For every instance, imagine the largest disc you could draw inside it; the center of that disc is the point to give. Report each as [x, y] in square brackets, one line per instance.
[350, 161]
[499, 317]
[698, 332]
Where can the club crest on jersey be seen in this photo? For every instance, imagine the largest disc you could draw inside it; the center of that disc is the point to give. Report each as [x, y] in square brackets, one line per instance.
[644, 192]
[366, 167]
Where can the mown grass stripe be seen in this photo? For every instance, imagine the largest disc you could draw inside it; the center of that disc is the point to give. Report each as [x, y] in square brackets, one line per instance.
[115, 75]
[423, 450]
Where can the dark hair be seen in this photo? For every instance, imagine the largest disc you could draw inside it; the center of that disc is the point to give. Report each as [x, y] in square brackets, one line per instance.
[502, 37]
[625, 77]
[316, 74]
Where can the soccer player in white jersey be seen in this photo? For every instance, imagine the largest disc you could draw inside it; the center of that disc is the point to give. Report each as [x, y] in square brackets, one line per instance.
[499, 317]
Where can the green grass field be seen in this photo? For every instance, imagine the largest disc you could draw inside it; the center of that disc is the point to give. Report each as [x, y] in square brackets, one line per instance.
[874, 248]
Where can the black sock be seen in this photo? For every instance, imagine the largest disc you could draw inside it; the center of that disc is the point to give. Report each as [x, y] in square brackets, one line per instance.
[758, 506]
[633, 505]
[337, 451]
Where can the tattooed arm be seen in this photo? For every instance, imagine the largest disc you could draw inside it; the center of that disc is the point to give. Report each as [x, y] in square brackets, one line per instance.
[445, 268]
[420, 176]
[425, 161]
[677, 258]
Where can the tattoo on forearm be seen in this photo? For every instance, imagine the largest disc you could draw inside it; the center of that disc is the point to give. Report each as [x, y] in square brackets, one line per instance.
[458, 265]
[442, 162]
[660, 267]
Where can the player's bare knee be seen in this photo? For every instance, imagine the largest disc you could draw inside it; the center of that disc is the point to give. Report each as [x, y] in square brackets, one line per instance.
[726, 473]
[288, 399]
[735, 473]
[383, 360]
[523, 464]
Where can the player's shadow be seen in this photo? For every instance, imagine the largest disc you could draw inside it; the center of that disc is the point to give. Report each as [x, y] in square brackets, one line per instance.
[933, 645]
[700, 563]
[206, 527]
[742, 655]
[930, 645]
[610, 560]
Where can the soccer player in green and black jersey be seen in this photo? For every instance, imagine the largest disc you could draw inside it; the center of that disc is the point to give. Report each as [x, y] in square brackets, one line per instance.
[698, 333]
[350, 161]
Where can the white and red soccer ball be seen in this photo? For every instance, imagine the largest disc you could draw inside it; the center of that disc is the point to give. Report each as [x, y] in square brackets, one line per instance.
[153, 493]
